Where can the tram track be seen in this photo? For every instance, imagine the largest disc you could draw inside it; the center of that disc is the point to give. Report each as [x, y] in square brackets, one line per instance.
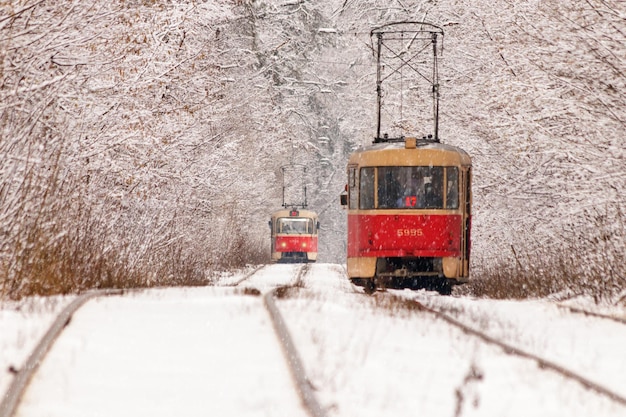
[11, 400]
[302, 385]
[290, 351]
[577, 310]
[510, 349]
[245, 277]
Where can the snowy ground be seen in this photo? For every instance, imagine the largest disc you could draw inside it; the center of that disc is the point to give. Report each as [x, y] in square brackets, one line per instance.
[212, 351]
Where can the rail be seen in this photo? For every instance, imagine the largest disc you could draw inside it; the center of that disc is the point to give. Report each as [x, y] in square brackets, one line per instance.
[14, 394]
[291, 353]
[512, 350]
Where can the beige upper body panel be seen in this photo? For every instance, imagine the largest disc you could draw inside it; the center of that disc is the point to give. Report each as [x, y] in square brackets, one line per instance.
[395, 154]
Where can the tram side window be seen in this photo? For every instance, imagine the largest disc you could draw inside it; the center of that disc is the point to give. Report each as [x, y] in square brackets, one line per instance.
[353, 191]
[366, 189]
[452, 187]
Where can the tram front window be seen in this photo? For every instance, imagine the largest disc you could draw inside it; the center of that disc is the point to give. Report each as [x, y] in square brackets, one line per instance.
[452, 188]
[295, 226]
[415, 187]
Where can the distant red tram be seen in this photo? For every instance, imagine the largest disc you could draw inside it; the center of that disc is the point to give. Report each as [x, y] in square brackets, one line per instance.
[294, 236]
[409, 215]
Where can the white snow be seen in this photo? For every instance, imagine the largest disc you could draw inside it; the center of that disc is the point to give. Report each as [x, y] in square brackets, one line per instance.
[212, 351]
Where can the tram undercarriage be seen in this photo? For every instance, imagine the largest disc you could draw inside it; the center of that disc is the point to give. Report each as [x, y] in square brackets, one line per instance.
[408, 272]
[294, 257]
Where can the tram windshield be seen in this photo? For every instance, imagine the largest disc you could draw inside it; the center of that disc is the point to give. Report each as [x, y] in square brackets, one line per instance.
[412, 187]
[295, 225]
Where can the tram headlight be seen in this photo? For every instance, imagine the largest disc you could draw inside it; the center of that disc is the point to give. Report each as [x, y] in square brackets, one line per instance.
[304, 244]
[283, 244]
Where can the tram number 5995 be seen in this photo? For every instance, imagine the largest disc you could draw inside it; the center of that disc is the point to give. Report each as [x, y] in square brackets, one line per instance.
[409, 232]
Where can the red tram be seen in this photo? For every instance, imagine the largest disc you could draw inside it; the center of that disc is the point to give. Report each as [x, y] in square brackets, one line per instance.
[409, 215]
[294, 235]
[409, 200]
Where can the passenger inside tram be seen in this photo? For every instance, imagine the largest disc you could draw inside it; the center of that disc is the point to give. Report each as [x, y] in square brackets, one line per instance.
[433, 193]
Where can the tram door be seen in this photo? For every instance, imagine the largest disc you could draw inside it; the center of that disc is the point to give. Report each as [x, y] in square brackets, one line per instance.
[466, 186]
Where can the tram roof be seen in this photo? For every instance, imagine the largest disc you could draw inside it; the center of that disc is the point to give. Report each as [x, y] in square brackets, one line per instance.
[398, 154]
[301, 213]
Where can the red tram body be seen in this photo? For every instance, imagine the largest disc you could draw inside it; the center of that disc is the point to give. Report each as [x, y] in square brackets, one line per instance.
[409, 215]
[294, 236]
